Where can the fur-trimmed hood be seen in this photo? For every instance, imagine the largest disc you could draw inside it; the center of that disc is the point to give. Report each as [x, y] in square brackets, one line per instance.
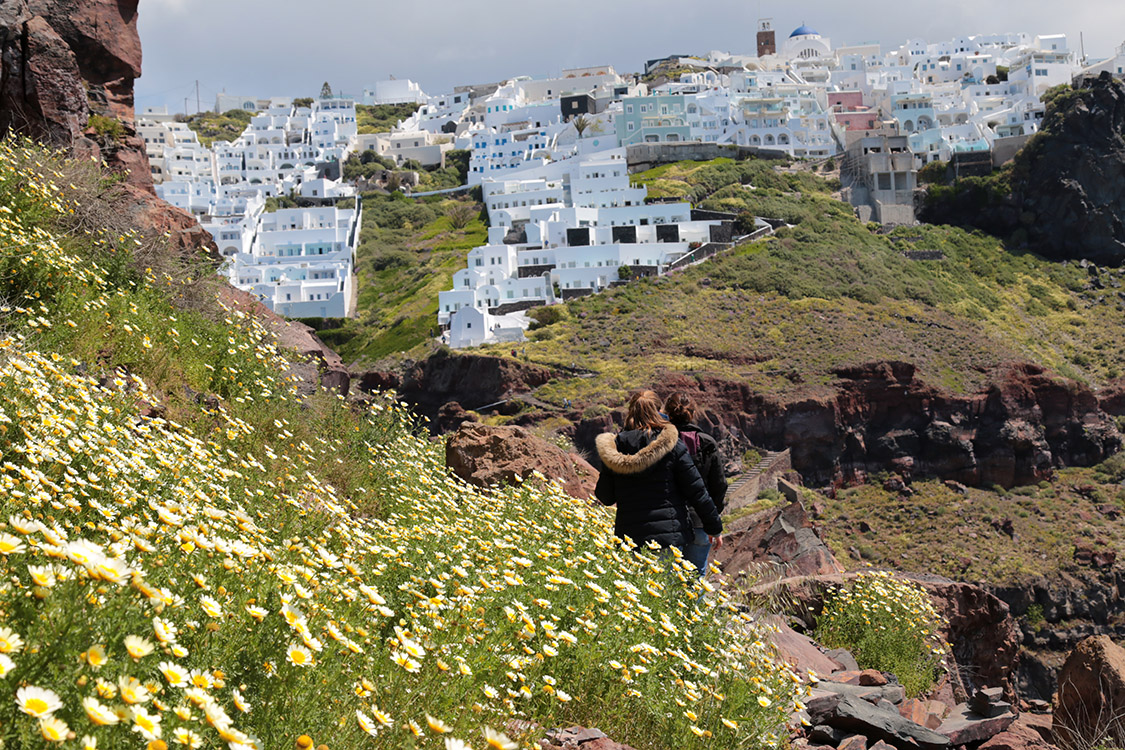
[635, 463]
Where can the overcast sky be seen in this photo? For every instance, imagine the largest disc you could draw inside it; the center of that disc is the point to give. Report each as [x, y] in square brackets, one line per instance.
[261, 48]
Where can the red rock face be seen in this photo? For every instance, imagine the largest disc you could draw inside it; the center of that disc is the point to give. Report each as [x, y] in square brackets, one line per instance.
[64, 60]
[485, 456]
[41, 90]
[880, 417]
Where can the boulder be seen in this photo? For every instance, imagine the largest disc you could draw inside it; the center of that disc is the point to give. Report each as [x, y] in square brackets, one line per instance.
[799, 651]
[855, 715]
[1090, 701]
[782, 536]
[964, 726]
[483, 455]
[1018, 736]
[573, 738]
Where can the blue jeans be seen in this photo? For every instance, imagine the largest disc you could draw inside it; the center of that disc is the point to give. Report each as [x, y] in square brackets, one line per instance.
[698, 549]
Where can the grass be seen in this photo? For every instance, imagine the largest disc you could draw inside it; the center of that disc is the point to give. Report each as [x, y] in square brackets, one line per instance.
[408, 251]
[192, 549]
[887, 624]
[913, 533]
[782, 314]
[381, 118]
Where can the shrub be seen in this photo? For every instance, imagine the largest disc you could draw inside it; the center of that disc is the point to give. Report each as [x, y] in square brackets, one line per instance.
[109, 128]
[460, 214]
[547, 315]
[888, 624]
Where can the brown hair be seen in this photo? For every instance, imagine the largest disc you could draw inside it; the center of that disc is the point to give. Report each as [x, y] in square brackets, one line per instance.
[680, 408]
[644, 412]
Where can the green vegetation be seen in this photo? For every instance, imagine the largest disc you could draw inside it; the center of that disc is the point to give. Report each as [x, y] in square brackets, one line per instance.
[888, 624]
[408, 252]
[381, 118]
[108, 128]
[928, 530]
[191, 548]
[211, 127]
[783, 313]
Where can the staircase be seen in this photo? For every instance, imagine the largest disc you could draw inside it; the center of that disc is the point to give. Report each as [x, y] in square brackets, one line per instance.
[762, 476]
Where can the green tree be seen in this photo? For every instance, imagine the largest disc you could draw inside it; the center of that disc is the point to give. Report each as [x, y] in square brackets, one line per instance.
[624, 272]
[581, 123]
[325, 91]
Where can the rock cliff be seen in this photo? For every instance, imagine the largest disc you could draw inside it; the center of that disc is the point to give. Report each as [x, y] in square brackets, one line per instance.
[880, 417]
[1064, 193]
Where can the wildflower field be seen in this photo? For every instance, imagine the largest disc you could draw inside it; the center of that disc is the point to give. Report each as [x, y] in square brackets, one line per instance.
[888, 624]
[254, 566]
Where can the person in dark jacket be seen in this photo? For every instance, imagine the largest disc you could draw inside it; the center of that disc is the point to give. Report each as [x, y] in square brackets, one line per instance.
[681, 409]
[652, 479]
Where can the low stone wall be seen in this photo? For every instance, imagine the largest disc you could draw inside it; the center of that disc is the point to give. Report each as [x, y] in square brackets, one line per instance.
[642, 156]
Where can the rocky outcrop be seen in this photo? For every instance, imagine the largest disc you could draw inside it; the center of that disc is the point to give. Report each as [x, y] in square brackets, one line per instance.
[778, 536]
[1064, 194]
[1070, 607]
[472, 381]
[981, 631]
[65, 60]
[1090, 704]
[880, 417]
[485, 456]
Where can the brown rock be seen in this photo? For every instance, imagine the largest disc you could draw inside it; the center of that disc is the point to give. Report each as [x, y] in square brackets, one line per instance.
[964, 726]
[42, 94]
[928, 713]
[1090, 700]
[799, 651]
[1019, 736]
[983, 636]
[783, 536]
[854, 742]
[336, 380]
[484, 455]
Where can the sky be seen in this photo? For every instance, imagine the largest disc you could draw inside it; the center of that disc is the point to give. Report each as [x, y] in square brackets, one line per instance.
[262, 48]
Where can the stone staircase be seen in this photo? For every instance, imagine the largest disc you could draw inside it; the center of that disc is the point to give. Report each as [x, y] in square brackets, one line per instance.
[764, 475]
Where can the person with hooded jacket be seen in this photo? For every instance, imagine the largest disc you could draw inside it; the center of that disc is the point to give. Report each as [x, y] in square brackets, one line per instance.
[652, 479]
[681, 409]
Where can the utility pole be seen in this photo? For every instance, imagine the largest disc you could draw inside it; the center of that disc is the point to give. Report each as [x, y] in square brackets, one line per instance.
[198, 108]
[1082, 45]
[185, 107]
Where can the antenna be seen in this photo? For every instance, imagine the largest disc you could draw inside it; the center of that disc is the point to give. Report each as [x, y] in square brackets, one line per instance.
[1082, 46]
[198, 108]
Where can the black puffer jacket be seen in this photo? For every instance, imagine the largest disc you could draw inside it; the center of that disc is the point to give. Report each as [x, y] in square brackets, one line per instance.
[653, 481]
[710, 465]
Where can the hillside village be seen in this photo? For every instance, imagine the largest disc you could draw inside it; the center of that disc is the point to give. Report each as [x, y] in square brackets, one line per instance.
[552, 158]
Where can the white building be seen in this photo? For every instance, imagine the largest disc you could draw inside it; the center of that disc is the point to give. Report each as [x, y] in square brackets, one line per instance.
[562, 230]
[301, 262]
[395, 91]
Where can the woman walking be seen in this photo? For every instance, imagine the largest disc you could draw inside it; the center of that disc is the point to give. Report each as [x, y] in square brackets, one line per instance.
[652, 479]
[704, 451]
